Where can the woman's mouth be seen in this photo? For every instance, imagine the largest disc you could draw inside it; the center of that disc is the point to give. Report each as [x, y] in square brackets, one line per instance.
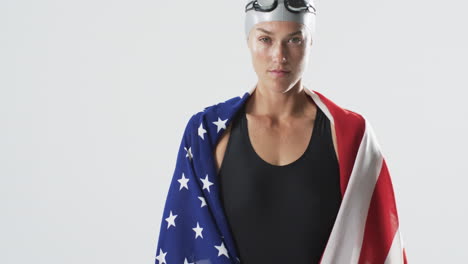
[279, 73]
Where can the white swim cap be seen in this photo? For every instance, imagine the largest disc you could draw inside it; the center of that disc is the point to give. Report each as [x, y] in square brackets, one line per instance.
[300, 11]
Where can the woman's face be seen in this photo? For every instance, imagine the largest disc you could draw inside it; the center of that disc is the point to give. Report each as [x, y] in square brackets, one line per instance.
[270, 42]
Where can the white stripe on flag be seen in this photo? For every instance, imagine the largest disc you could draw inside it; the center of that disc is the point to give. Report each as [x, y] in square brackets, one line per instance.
[395, 256]
[345, 242]
[320, 104]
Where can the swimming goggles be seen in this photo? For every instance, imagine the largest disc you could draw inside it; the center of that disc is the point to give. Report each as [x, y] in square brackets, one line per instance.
[295, 6]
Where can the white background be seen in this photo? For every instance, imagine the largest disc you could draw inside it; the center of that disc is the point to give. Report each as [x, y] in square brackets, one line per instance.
[94, 97]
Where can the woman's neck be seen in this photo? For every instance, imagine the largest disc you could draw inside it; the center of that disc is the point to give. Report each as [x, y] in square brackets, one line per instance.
[279, 104]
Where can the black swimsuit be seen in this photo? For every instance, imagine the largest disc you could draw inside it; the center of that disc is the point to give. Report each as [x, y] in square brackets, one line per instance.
[280, 214]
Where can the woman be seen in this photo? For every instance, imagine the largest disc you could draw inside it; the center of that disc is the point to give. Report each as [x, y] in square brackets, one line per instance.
[262, 178]
[288, 175]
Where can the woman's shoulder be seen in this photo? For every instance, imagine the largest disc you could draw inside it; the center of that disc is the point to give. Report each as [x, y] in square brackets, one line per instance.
[339, 112]
[214, 118]
[221, 109]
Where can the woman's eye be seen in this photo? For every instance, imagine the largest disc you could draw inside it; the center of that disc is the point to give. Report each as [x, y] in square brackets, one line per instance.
[266, 39]
[297, 40]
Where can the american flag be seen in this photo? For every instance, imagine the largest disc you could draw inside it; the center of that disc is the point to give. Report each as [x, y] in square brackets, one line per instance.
[194, 228]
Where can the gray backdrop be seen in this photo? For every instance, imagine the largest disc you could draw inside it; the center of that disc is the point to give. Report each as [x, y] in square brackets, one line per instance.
[94, 97]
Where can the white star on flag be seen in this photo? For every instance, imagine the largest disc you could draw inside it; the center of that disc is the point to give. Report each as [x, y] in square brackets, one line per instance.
[186, 261]
[198, 231]
[220, 124]
[189, 152]
[161, 257]
[206, 183]
[203, 202]
[183, 182]
[201, 131]
[171, 220]
[222, 250]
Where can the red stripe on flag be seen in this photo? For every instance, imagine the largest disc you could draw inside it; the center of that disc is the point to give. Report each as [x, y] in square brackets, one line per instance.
[405, 261]
[382, 221]
[349, 130]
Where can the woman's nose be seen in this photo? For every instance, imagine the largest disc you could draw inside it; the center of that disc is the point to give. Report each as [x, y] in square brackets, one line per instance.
[279, 53]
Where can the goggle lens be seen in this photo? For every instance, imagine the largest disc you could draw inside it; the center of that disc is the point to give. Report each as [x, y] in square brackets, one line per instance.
[266, 3]
[299, 5]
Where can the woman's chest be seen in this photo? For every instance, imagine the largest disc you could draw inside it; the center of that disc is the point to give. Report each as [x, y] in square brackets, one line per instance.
[280, 144]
